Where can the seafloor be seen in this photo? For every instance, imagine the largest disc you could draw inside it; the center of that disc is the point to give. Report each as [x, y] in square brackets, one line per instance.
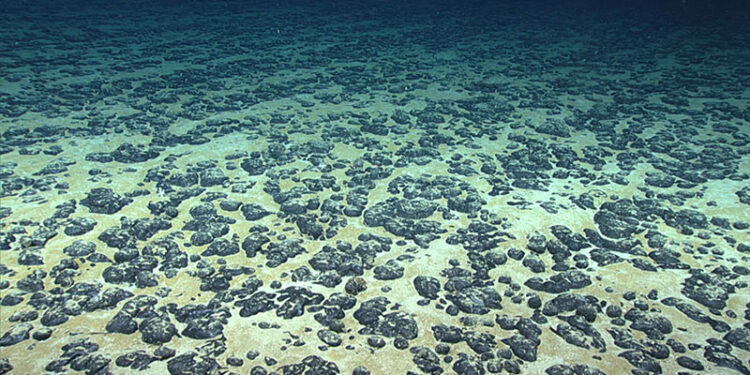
[316, 188]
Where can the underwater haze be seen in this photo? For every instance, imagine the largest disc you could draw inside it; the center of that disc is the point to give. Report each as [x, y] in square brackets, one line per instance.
[374, 187]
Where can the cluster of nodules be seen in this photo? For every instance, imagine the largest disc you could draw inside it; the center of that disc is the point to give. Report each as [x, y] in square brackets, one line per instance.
[286, 195]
